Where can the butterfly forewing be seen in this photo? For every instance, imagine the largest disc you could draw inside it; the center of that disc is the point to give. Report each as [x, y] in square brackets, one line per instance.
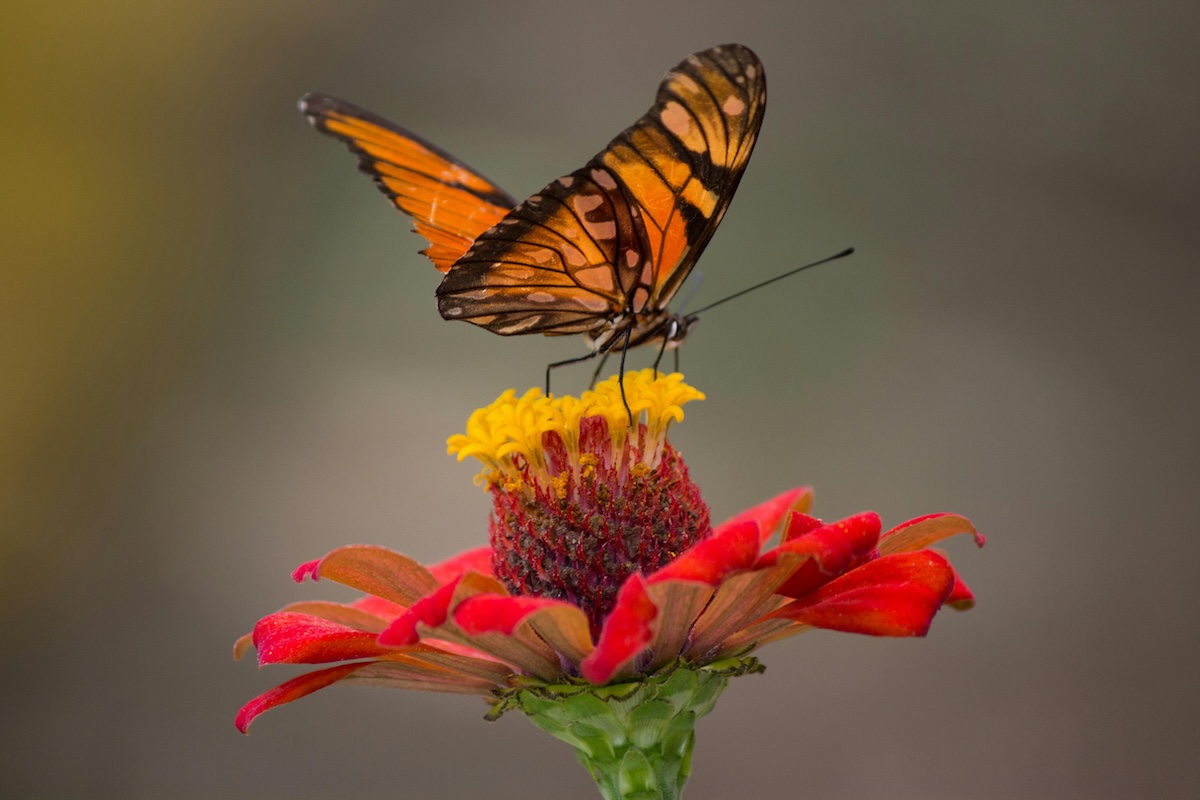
[682, 161]
[449, 202]
[619, 236]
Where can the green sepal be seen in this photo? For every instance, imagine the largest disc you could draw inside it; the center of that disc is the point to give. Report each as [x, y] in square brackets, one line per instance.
[635, 737]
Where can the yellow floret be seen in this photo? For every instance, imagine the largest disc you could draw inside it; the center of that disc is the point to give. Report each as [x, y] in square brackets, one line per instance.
[514, 426]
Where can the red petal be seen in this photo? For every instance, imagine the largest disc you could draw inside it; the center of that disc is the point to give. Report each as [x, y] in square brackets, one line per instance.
[349, 614]
[306, 570]
[961, 597]
[431, 610]
[731, 549]
[830, 549]
[384, 609]
[799, 524]
[625, 633]
[894, 595]
[293, 690]
[492, 613]
[288, 637]
[769, 512]
[477, 560]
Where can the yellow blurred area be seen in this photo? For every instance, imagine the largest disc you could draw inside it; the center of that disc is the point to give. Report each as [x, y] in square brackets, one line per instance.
[105, 214]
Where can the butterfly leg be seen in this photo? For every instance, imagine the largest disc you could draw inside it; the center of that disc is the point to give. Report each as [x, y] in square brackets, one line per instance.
[621, 374]
[661, 351]
[558, 364]
[600, 367]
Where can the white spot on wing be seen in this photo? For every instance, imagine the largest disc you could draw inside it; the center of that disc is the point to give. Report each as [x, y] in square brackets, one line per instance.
[604, 179]
[574, 256]
[587, 202]
[676, 119]
[520, 325]
[599, 279]
[601, 230]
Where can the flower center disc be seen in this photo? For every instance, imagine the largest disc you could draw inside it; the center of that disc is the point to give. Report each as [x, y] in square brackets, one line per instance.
[581, 537]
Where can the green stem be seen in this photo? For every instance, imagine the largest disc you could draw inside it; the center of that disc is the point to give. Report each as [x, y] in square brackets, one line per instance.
[634, 738]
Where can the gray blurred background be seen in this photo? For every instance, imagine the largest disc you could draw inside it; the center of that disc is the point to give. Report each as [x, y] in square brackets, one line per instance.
[222, 357]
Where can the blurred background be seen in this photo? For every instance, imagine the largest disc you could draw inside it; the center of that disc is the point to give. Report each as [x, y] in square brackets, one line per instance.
[221, 356]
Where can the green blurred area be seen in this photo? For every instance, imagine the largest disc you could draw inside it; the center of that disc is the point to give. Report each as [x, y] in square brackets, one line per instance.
[221, 356]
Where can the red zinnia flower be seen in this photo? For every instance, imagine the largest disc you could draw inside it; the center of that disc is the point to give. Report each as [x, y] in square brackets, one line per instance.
[604, 571]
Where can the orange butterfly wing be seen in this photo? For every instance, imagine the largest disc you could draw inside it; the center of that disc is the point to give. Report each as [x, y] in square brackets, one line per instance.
[683, 160]
[450, 203]
[620, 235]
[563, 261]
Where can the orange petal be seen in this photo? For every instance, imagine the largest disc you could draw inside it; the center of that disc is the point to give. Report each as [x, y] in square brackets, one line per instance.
[679, 604]
[378, 571]
[919, 533]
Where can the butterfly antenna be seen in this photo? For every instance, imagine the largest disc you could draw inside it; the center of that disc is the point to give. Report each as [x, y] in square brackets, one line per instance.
[787, 274]
[693, 287]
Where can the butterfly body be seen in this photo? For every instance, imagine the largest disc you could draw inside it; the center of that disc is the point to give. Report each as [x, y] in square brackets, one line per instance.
[600, 251]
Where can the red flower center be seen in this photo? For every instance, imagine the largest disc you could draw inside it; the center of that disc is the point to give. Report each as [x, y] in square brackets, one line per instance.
[579, 537]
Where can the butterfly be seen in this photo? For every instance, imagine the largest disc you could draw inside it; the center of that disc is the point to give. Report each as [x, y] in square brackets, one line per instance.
[602, 250]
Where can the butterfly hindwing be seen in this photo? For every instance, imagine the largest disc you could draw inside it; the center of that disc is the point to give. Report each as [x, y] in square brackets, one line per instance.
[620, 235]
[450, 203]
[563, 261]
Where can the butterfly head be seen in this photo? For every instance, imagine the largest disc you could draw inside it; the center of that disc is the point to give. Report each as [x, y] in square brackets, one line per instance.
[677, 328]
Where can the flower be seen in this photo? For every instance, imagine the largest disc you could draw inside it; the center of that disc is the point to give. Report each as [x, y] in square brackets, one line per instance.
[604, 579]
